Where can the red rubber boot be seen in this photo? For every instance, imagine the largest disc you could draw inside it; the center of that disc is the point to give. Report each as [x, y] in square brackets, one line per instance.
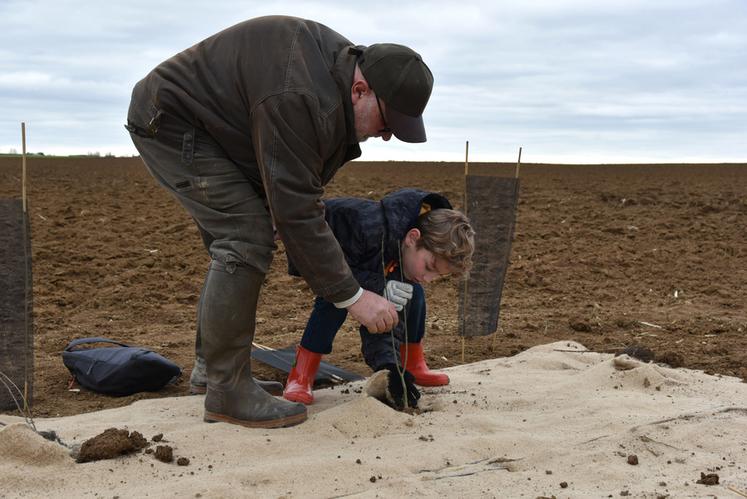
[300, 382]
[414, 361]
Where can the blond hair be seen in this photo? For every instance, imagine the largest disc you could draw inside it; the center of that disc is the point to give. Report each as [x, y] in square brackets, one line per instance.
[448, 234]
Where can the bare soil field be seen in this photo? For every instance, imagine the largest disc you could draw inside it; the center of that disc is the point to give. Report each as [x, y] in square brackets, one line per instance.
[610, 256]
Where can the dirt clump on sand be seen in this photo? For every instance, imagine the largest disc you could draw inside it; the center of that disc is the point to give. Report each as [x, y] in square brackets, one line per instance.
[605, 255]
[111, 443]
[115, 442]
[164, 453]
[708, 479]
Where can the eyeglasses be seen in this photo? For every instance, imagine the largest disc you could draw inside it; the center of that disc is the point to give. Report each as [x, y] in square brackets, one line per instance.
[386, 128]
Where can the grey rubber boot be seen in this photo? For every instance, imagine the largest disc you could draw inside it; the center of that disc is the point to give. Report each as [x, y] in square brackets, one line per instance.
[198, 379]
[226, 316]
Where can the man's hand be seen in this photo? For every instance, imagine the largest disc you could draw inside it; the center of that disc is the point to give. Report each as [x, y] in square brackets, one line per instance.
[374, 312]
[398, 293]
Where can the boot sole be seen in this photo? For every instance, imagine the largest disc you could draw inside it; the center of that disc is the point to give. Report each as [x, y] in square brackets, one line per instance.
[213, 417]
[431, 382]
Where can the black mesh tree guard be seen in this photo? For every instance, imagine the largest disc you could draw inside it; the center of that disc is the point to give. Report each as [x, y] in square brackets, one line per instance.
[16, 323]
[491, 207]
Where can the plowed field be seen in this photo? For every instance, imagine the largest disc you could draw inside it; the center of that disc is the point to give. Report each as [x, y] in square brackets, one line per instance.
[610, 256]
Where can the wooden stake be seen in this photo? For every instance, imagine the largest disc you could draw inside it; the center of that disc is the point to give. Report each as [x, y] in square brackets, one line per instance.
[23, 162]
[516, 175]
[518, 163]
[26, 298]
[466, 281]
[466, 162]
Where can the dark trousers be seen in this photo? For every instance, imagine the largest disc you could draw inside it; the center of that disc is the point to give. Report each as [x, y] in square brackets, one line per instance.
[326, 320]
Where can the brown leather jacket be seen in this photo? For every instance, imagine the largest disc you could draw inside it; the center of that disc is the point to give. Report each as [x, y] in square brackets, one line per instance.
[274, 92]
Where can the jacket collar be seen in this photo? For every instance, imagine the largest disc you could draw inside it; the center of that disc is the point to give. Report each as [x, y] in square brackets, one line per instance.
[342, 72]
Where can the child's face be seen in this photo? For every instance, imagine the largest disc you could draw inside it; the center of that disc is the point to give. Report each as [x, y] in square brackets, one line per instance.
[420, 265]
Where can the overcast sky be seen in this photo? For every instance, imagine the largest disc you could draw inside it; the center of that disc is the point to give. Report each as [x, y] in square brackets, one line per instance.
[569, 80]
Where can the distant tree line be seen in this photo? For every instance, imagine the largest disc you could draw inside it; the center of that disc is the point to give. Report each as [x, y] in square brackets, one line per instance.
[95, 154]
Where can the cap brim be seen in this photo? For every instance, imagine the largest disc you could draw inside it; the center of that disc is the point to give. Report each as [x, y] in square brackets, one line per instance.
[405, 128]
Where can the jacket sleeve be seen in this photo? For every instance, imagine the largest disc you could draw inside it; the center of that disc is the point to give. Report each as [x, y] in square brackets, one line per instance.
[369, 270]
[368, 267]
[363, 253]
[378, 349]
[288, 138]
[371, 281]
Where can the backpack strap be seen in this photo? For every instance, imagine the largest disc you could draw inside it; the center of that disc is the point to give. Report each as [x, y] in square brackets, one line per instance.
[84, 341]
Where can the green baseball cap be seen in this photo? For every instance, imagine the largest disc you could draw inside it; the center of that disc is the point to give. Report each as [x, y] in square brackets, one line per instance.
[401, 79]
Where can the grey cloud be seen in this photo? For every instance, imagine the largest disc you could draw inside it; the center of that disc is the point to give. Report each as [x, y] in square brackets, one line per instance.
[565, 78]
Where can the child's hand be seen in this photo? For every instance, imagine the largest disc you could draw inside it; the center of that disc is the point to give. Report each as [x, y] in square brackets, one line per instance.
[395, 391]
[398, 293]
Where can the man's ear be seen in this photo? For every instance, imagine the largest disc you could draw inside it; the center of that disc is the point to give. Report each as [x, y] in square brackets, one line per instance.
[358, 90]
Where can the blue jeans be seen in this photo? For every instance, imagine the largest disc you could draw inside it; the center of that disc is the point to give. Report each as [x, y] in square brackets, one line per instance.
[377, 349]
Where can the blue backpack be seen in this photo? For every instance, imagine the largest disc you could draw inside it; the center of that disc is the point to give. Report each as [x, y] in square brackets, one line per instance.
[122, 370]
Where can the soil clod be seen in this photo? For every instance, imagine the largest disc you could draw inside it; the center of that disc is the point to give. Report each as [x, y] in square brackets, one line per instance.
[165, 453]
[579, 324]
[111, 443]
[708, 479]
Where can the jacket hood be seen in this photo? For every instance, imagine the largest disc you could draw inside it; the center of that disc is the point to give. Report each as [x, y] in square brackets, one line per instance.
[401, 211]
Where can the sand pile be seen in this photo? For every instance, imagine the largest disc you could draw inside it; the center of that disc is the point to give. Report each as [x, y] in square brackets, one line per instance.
[553, 420]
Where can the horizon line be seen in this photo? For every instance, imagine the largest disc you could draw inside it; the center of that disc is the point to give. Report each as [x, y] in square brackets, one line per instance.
[445, 162]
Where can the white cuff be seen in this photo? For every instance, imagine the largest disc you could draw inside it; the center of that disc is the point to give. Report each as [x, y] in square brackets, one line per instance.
[350, 301]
